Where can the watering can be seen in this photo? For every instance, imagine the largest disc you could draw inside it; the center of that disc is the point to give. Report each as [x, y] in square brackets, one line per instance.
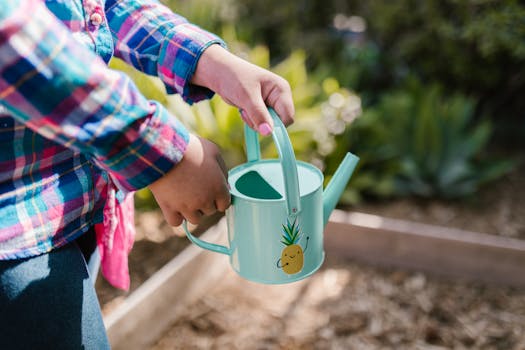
[278, 212]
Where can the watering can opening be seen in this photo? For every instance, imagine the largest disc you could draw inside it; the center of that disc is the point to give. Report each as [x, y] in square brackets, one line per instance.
[264, 181]
[252, 184]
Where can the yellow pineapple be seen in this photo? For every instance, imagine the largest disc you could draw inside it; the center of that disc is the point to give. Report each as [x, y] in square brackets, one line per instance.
[292, 257]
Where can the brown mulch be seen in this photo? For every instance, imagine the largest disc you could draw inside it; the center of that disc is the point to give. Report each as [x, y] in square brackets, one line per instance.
[496, 209]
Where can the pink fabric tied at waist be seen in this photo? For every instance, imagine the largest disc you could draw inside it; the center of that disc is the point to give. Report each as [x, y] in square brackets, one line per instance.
[115, 237]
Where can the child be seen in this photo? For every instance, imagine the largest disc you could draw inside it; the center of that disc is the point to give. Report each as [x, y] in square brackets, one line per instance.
[76, 139]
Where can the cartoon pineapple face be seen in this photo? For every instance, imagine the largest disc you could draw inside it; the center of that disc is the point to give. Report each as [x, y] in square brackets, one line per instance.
[292, 257]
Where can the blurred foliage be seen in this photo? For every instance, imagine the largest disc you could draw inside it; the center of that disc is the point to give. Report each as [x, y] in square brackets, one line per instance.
[476, 47]
[472, 46]
[412, 63]
[417, 141]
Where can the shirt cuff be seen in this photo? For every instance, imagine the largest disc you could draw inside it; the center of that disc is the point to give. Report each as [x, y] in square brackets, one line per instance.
[161, 146]
[178, 59]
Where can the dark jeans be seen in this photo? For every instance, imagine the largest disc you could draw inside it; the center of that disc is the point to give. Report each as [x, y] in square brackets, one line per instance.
[49, 301]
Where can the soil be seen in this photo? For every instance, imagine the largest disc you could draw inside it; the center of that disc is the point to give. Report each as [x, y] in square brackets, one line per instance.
[347, 305]
[496, 209]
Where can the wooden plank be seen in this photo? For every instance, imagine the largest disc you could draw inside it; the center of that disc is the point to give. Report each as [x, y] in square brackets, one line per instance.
[155, 305]
[439, 250]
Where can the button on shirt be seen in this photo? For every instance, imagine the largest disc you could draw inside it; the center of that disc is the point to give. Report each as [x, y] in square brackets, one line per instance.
[69, 126]
[96, 18]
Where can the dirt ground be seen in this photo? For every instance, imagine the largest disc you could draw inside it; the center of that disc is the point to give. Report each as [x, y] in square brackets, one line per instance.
[496, 209]
[350, 306]
[347, 305]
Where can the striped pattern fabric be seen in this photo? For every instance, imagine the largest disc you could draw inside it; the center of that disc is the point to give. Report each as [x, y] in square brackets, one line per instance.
[69, 126]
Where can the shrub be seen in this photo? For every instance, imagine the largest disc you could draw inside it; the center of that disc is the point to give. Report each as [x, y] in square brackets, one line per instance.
[418, 141]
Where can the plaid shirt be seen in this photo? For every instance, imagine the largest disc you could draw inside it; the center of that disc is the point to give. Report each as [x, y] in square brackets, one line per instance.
[69, 126]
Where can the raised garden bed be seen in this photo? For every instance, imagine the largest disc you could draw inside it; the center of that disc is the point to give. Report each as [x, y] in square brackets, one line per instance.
[351, 306]
[401, 302]
[163, 300]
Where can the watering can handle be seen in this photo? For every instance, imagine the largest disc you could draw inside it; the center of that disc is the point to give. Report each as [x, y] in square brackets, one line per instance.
[203, 244]
[286, 156]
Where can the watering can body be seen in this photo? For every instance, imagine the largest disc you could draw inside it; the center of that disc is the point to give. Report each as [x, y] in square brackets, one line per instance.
[260, 254]
[278, 212]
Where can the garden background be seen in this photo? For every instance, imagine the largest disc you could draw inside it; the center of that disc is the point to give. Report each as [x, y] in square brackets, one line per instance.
[429, 94]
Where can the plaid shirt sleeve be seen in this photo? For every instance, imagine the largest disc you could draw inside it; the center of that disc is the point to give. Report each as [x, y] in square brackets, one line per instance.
[158, 42]
[65, 92]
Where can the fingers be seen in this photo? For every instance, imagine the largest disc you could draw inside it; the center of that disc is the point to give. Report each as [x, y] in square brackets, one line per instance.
[173, 218]
[223, 202]
[285, 110]
[222, 165]
[256, 115]
[194, 216]
[208, 207]
[279, 97]
[247, 119]
[276, 93]
[197, 186]
[262, 122]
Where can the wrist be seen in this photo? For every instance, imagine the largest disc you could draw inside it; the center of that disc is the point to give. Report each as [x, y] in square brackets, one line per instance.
[211, 63]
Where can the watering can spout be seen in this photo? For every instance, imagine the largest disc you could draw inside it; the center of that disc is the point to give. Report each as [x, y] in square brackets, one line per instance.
[337, 185]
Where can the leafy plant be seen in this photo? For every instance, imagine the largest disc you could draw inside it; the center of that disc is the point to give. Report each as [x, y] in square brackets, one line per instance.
[420, 142]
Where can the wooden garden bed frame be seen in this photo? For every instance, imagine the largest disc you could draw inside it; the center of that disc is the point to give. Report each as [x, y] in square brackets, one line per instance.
[156, 304]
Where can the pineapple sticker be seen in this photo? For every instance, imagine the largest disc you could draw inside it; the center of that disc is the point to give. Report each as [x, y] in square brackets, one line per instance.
[292, 256]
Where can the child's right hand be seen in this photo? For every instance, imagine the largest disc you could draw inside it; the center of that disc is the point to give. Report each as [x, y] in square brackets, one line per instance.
[195, 187]
[250, 88]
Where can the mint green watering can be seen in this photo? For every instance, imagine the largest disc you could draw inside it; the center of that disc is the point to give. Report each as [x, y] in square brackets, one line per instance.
[278, 212]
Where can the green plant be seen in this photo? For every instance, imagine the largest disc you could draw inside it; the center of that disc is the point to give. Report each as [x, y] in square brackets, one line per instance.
[417, 141]
[473, 47]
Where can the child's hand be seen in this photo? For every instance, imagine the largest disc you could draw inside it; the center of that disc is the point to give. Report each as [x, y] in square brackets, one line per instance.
[246, 86]
[195, 187]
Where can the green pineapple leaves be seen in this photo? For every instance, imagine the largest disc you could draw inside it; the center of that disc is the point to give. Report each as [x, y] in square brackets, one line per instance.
[291, 233]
